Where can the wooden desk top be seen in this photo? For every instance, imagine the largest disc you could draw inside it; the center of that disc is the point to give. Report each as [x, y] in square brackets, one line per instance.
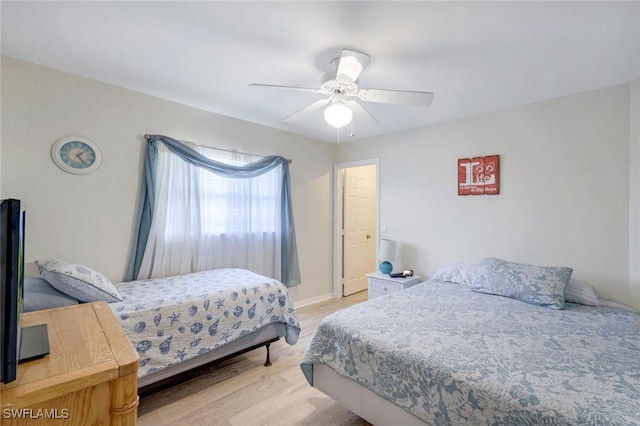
[88, 347]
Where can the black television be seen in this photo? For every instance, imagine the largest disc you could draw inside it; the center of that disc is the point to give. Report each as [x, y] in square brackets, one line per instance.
[17, 344]
[12, 219]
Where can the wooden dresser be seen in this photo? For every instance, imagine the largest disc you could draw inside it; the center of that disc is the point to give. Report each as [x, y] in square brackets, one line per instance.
[89, 378]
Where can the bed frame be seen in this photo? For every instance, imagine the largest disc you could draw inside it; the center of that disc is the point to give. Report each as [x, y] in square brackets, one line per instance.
[357, 398]
[262, 337]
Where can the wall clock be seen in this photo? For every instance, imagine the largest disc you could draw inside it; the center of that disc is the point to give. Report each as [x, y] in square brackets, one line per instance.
[76, 155]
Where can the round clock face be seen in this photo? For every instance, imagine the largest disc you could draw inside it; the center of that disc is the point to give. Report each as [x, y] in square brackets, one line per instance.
[76, 155]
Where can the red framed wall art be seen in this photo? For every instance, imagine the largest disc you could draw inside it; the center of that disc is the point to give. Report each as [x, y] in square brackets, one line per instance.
[479, 175]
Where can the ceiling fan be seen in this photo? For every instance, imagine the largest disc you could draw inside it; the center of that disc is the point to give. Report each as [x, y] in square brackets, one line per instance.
[342, 89]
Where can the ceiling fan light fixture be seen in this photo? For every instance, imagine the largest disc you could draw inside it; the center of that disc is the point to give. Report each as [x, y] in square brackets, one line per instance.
[341, 85]
[338, 114]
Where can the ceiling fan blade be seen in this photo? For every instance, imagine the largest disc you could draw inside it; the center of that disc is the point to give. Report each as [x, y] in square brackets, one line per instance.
[357, 107]
[351, 65]
[297, 89]
[399, 97]
[309, 108]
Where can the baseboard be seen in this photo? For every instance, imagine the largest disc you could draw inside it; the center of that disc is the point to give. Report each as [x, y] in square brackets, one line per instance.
[312, 301]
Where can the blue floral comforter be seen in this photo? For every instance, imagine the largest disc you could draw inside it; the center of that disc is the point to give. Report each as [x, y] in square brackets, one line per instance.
[170, 320]
[452, 356]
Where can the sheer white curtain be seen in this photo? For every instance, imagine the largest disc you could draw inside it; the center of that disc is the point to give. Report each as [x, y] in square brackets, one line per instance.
[203, 221]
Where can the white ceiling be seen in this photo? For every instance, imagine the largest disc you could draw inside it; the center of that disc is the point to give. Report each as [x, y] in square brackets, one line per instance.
[475, 56]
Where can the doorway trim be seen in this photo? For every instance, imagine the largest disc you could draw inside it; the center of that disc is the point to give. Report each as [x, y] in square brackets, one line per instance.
[337, 217]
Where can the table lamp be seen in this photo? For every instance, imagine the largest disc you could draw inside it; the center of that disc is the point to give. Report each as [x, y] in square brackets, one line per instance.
[387, 255]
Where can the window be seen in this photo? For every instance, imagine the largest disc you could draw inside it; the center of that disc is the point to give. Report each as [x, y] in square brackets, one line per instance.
[228, 206]
[198, 213]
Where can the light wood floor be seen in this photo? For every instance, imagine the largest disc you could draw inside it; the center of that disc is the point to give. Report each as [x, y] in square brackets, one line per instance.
[241, 391]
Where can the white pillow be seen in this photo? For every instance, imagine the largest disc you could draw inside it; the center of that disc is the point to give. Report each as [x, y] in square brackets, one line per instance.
[78, 281]
[459, 273]
[581, 292]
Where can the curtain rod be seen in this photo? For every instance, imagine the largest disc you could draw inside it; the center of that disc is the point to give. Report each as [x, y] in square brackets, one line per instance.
[147, 137]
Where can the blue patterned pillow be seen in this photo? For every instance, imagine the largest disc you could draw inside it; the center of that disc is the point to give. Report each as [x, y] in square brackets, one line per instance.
[538, 285]
[78, 281]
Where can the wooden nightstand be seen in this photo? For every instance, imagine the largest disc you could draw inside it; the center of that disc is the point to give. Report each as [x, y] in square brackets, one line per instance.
[381, 284]
[90, 376]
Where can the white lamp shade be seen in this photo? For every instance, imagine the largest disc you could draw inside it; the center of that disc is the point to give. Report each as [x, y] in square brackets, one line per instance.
[387, 250]
[398, 264]
[338, 114]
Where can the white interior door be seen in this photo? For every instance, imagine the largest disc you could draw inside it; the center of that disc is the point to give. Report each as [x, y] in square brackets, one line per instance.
[359, 225]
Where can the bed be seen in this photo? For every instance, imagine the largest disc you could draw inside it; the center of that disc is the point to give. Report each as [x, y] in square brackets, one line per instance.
[178, 323]
[440, 353]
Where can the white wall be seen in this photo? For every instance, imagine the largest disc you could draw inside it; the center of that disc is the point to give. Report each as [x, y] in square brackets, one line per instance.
[634, 191]
[90, 219]
[564, 193]
[566, 196]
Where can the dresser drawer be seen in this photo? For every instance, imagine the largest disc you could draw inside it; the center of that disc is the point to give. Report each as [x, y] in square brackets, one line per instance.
[382, 284]
[385, 287]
